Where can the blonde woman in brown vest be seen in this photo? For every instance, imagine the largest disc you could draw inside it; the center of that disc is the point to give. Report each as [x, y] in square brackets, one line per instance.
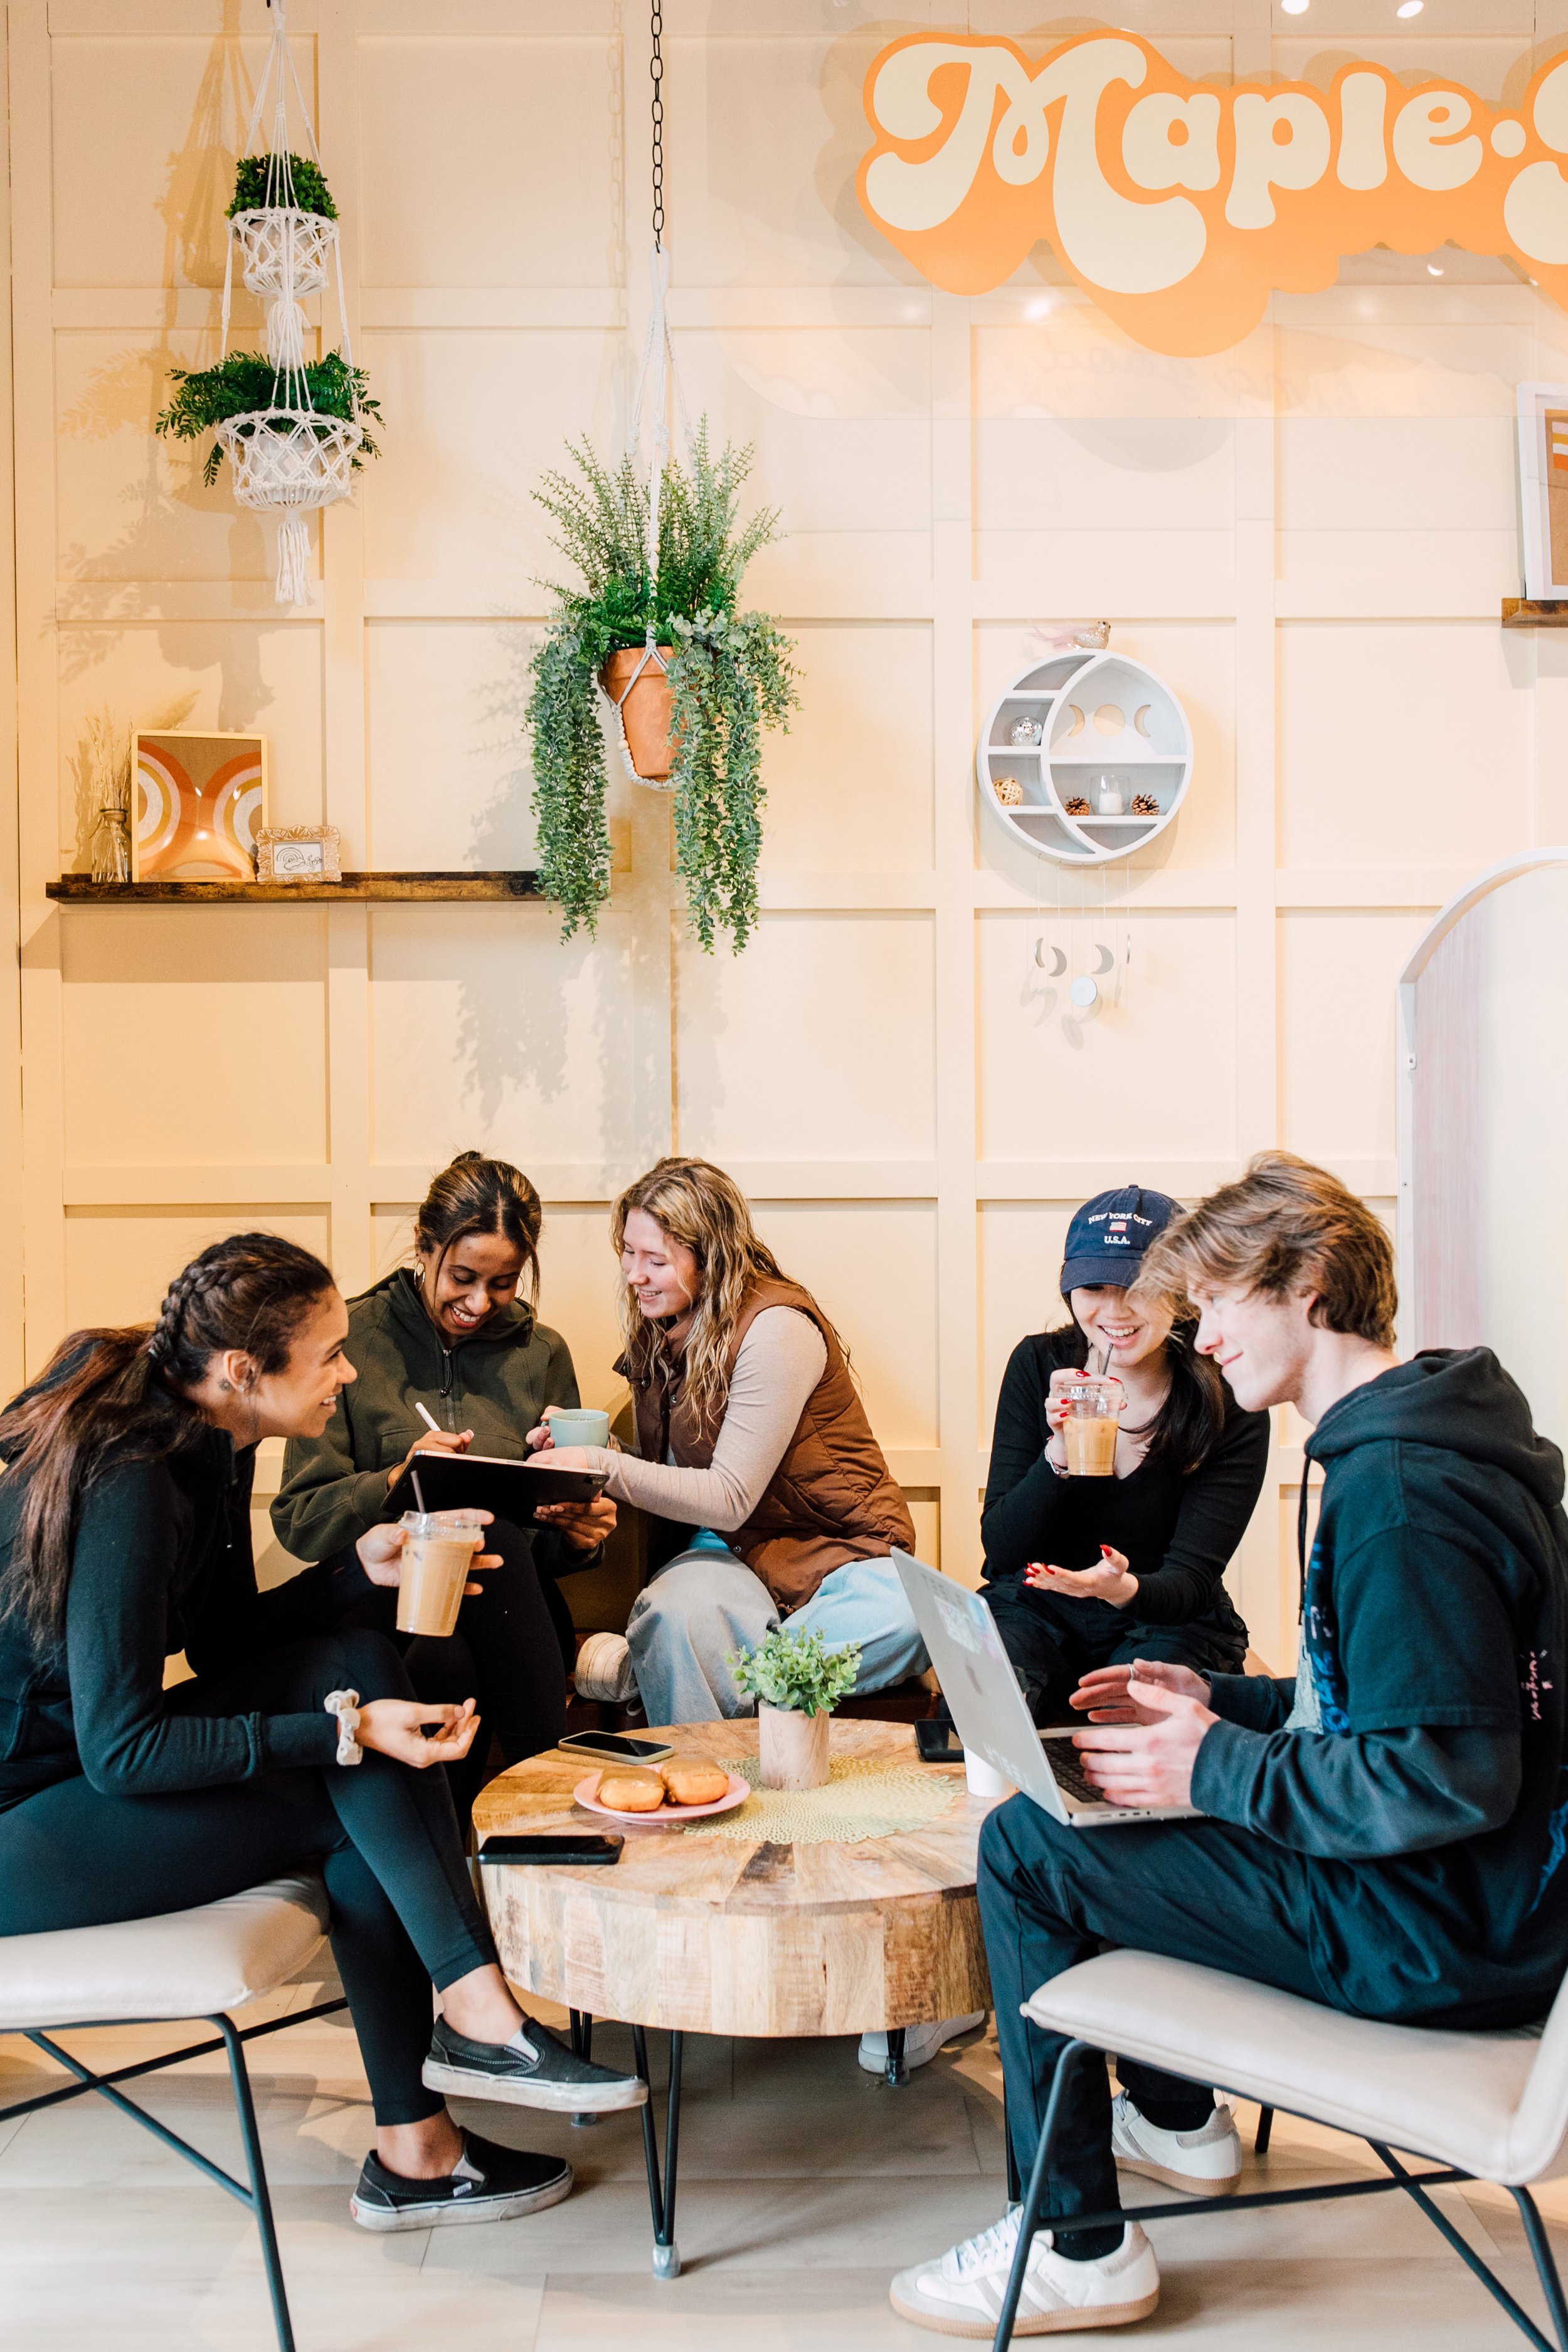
[770, 1496]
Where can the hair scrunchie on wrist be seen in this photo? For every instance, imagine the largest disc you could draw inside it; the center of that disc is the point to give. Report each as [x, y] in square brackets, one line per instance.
[345, 1705]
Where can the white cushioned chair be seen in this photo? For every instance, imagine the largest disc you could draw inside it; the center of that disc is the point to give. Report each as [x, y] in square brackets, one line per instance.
[1484, 2107]
[186, 1964]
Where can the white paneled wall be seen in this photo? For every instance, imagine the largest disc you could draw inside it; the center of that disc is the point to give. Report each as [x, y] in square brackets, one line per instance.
[1307, 536]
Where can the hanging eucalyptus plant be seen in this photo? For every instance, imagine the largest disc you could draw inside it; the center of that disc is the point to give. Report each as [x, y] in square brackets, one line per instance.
[731, 675]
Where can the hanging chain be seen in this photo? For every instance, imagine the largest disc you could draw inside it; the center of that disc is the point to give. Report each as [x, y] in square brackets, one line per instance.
[656, 71]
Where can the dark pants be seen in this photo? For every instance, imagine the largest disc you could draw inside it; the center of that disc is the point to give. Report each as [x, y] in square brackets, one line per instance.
[403, 1910]
[1054, 1641]
[1050, 1896]
[505, 1654]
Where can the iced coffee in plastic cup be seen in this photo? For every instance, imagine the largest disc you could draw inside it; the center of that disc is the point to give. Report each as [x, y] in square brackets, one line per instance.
[1094, 1402]
[439, 1549]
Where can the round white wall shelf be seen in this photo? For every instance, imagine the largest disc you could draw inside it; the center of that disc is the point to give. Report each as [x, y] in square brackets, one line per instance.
[1102, 724]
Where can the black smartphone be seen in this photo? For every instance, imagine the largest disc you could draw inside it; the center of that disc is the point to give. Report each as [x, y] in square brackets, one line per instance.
[615, 1747]
[565, 1846]
[938, 1743]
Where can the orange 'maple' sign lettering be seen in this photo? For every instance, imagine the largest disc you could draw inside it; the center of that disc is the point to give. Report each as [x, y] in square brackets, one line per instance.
[1180, 206]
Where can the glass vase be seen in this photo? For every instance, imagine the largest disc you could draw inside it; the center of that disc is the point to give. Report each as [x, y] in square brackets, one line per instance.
[111, 846]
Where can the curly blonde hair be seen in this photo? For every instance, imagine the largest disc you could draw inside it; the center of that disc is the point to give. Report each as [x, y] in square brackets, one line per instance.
[695, 1203]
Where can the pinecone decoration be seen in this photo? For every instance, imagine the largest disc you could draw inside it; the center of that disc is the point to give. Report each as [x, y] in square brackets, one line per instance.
[1145, 804]
[1009, 791]
[1078, 806]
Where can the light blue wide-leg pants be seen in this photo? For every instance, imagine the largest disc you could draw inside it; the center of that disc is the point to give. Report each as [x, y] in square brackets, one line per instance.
[706, 1602]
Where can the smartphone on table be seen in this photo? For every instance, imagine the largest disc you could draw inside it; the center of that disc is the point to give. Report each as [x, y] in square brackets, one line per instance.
[938, 1743]
[557, 1846]
[614, 1747]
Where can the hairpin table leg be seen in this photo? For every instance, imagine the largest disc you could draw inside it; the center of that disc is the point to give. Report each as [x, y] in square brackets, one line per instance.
[661, 2193]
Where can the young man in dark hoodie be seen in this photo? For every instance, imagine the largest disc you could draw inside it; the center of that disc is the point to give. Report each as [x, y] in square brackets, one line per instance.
[1386, 1833]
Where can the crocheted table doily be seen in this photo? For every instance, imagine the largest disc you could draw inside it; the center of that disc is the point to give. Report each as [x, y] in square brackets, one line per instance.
[860, 1800]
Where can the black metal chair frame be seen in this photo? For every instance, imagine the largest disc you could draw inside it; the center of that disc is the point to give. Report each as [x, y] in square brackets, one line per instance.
[1414, 2185]
[231, 2038]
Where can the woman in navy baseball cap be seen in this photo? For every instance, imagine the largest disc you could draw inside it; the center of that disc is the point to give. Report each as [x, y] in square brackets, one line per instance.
[1085, 1572]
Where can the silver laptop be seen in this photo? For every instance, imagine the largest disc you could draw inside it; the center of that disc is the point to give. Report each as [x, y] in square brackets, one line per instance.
[988, 1707]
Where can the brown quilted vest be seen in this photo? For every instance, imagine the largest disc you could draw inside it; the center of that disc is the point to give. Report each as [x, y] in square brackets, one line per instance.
[832, 1497]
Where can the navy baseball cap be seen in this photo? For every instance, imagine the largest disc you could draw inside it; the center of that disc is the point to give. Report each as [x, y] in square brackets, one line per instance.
[1109, 1235]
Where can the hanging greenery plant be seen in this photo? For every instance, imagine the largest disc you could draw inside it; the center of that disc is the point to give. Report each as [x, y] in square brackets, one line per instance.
[246, 384]
[730, 676]
[263, 180]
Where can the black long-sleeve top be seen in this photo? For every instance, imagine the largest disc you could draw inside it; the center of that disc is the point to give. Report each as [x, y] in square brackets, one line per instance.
[162, 1562]
[1177, 1529]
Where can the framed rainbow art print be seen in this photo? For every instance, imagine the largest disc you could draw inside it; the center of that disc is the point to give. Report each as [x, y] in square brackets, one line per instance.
[199, 801]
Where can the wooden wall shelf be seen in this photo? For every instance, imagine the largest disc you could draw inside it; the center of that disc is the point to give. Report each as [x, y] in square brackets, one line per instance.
[1533, 613]
[80, 890]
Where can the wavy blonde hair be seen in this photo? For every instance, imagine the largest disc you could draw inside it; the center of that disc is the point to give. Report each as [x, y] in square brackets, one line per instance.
[695, 1203]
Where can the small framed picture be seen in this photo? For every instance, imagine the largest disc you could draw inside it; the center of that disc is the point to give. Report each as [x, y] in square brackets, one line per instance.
[1544, 488]
[199, 801]
[299, 853]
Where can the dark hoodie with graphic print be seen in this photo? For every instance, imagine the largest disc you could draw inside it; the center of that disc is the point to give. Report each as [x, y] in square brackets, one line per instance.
[1424, 1767]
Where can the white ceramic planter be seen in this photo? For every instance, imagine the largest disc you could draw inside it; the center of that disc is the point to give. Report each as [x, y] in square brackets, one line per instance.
[792, 1746]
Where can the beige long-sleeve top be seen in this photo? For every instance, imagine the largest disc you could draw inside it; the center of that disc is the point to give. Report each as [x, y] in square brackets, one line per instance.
[780, 1361]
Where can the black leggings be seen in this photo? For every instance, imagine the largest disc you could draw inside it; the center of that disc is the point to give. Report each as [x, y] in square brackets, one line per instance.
[505, 1654]
[403, 1910]
[1053, 1642]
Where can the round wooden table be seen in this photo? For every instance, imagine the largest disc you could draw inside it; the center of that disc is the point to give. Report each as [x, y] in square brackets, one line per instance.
[721, 1934]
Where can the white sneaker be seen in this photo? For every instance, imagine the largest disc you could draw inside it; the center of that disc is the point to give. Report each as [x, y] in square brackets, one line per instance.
[964, 2293]
[1207, 2161]
[604, 1669]
[921, 2041]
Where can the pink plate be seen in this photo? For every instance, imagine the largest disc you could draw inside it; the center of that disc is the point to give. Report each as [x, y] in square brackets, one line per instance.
[739, 1790]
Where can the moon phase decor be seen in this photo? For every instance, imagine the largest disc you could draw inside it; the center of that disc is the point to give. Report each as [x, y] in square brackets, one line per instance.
[1179, 206]
[1111, 765]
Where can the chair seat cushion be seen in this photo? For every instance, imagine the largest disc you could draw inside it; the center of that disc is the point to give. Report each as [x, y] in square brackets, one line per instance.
[184, 1964]
[1454, 2095]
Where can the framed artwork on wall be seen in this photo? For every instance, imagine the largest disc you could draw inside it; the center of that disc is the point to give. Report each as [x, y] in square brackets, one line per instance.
[1544, 488]
[299, 853]
[199, 801]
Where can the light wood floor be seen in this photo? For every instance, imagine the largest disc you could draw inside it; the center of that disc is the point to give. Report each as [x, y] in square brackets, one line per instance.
[805, 2184]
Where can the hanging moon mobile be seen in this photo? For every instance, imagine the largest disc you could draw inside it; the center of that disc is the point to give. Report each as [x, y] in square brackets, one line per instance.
[1105, 960]
[1057, 964]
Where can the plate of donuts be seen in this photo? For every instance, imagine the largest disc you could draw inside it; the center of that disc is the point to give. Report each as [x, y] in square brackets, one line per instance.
[680, 1789]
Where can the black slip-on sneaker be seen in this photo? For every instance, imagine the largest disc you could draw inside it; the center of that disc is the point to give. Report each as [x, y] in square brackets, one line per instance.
[490, 2184]
[532, 2070]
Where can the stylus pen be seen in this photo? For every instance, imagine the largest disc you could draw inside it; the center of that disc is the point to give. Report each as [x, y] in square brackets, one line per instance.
[427, 1418]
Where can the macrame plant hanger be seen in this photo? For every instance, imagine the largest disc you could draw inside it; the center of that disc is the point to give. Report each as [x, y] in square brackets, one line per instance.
[658, 375]
[287, 458]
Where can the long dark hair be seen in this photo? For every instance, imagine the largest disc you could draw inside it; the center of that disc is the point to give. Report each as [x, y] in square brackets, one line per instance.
[1188, 1425]
[124, 1394]
[475, 1195]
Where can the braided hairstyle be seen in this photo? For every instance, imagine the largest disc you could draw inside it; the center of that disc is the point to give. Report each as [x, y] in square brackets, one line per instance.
[119, 1396]
[475, 1195]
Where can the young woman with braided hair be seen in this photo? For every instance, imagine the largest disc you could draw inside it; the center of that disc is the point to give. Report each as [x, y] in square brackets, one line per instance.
[124, 1537]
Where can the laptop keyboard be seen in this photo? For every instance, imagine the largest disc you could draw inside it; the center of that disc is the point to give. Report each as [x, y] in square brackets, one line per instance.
[1067, 1766]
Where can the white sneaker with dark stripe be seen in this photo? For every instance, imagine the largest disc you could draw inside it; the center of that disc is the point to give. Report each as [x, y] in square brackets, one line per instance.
[964, 2293]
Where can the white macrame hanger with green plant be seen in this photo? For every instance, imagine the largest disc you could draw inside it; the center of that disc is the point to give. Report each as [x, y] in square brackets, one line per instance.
[288, 459]
[658, 378]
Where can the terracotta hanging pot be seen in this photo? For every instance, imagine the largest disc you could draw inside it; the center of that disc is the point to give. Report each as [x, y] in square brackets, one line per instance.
[792, 1748]
[644, 707]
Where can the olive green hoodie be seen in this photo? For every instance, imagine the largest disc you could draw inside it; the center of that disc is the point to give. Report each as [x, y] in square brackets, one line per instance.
[496, 1383]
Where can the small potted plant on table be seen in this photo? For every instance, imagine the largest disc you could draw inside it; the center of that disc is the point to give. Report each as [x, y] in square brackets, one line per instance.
[796, 1682]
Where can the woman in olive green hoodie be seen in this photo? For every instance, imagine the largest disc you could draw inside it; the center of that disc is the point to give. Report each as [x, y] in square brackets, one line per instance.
[452, 1334]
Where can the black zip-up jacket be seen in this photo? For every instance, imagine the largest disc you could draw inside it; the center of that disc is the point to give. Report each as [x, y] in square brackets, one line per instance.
[162, 1562]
